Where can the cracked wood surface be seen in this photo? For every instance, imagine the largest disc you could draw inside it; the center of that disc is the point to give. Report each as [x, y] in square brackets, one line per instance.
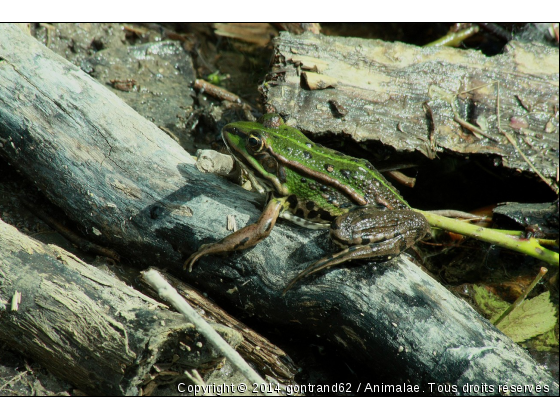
[87, 327]
[401, 95]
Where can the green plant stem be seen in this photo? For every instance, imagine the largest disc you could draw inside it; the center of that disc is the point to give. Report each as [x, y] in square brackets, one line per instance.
[520, 234]
[528, 246]
[454, 39]
[523, 296]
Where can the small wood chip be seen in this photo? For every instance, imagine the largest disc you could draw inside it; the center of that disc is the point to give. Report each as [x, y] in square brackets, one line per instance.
[253, 33]
[125, 85]
[231, 223]
[16, 300]
[210, 161]
[317, 81]
[216, 91]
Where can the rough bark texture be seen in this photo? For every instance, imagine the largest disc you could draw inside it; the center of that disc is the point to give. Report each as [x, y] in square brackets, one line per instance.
[87, 327]
[401, 95]
[131, 187]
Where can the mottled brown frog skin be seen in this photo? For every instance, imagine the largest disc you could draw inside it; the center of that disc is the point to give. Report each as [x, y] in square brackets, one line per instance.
[368, 217]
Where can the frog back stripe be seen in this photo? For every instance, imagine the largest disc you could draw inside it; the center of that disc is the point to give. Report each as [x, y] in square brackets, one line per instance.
[321, 153]
[324, 179]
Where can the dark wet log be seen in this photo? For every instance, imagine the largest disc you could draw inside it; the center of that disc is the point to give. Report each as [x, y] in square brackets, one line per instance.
[402, 95]
[132, 188]
[87, 327]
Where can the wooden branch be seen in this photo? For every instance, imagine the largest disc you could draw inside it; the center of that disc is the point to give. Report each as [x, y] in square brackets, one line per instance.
[87, 327]
[270, 360]
[171, 295]
[131, 187]
[402, 95]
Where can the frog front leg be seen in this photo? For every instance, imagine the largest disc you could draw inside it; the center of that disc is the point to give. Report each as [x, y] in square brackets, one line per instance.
[368, 232]
[244, 238]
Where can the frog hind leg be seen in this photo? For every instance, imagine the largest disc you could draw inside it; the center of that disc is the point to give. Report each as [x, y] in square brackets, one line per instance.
[370, 233]
[385, 249]
[244, 238]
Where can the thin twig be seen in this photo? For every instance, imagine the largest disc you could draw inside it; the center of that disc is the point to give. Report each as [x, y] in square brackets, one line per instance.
[171, 295]
[523, 296]
[401, 178]
[196, 379]
[454, 39]
[13, 380]
[469, 126]
[216, 91]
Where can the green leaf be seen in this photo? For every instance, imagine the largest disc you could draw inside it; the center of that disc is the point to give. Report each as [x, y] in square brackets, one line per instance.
[544, 342]
[491, 305]
[531, 318]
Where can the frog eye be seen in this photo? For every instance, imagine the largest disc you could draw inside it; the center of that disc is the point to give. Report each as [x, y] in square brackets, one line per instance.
[254, 143]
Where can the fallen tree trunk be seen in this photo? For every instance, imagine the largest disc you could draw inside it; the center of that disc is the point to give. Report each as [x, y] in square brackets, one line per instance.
[132, 188]
[85, 326]
[404, 95]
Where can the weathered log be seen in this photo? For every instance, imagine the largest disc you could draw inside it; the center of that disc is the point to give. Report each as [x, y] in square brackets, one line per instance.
[131, 187]
[87, 327]
[402, 95]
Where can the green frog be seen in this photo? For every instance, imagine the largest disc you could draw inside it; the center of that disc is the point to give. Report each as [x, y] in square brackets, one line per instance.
[316, 187]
